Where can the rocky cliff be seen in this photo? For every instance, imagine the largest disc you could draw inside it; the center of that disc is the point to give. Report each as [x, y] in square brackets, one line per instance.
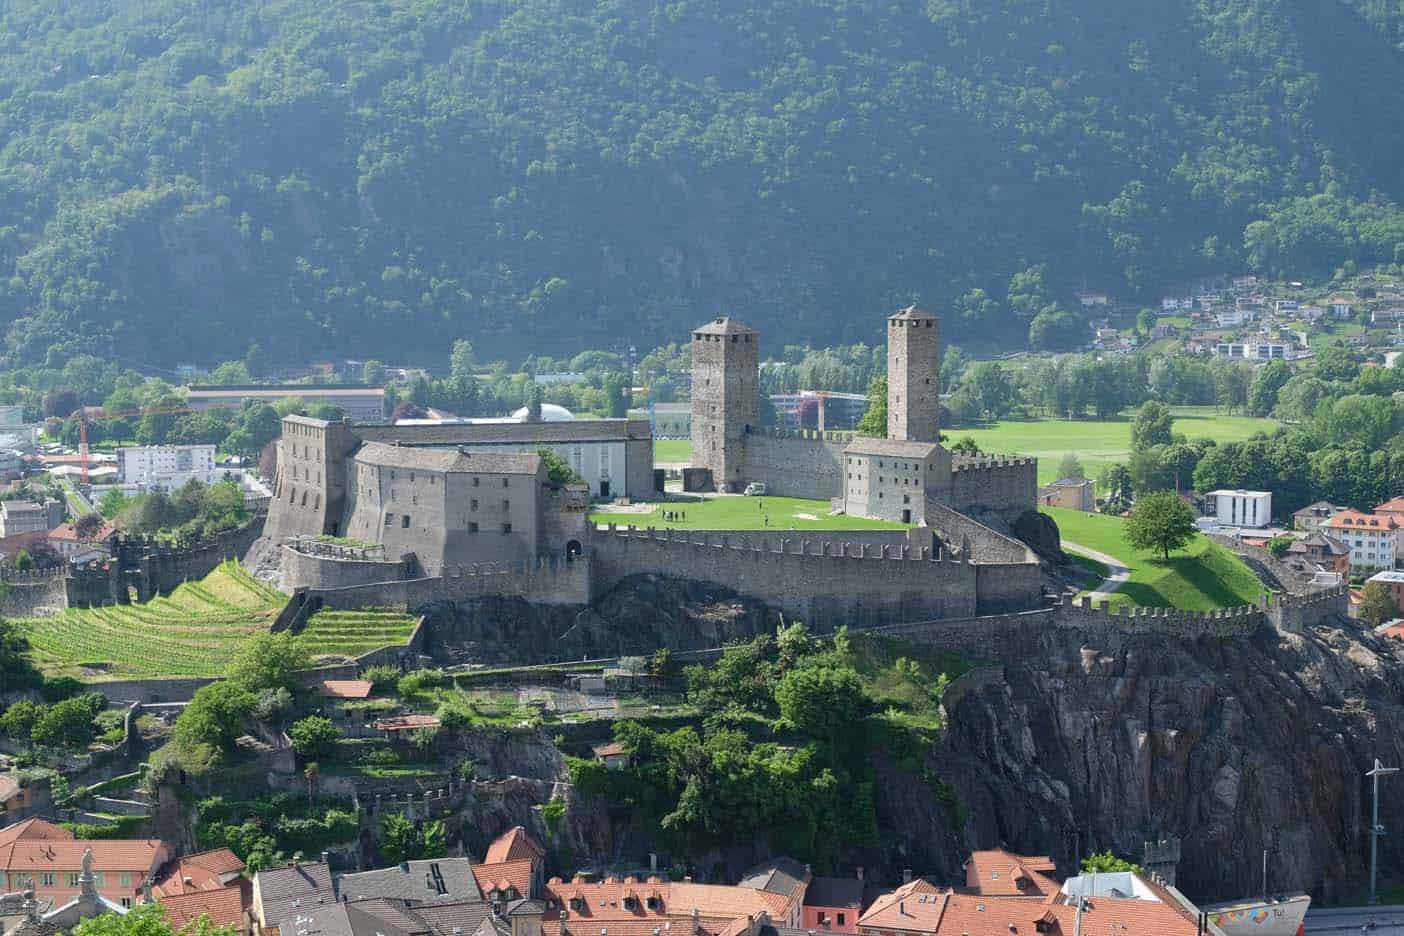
[1101, 743]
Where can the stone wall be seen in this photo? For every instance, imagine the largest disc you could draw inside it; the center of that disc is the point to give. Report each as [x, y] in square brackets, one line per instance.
[986, 544]
[1295, 613]
[543, 581]
[149, 691]
[318, 567]
[994, 483]
[31, 594]
[801, 463]
[823, 582]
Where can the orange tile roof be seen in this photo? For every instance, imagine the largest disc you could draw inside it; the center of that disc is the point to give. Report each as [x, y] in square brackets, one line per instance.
[553, 925]
[57, 855]
[203, 872]
[1393, 505]
[611, 749]
[727, 902]
[603, 903]
[34, 830]
[951, 914]
[514, 844]
[1355, 520]
[997, 873]
[492, 876]
[913, 906]
[225, 906]
[345, 688]
[9, 788]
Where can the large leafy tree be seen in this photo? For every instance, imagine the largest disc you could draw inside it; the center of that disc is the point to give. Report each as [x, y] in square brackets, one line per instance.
[1160, 521]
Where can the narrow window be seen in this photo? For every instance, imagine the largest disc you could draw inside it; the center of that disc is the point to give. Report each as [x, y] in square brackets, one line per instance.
[404, 522]
[506, 528]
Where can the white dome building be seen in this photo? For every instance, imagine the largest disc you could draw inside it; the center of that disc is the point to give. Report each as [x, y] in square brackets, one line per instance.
[550, 412]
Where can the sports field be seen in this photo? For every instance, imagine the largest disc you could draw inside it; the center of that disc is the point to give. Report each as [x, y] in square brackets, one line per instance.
[1100, 443]
[672, 451]
[735, 512]
[194, 631]
[1201, 577]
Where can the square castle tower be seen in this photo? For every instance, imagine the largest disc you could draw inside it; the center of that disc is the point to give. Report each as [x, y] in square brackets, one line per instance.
[725, 397]
[913, 376]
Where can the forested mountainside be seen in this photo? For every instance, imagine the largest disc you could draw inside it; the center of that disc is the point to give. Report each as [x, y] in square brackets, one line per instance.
[180, 178]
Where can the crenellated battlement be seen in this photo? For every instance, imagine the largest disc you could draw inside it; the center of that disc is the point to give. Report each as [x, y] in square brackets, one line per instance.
[991, 462]
[817, 548]
[1223, 622]
[813, 435]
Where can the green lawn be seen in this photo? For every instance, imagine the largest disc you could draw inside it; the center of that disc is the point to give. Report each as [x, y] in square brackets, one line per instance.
[1099, 443]
[674, 451]
[745, 513]
[1202, 577]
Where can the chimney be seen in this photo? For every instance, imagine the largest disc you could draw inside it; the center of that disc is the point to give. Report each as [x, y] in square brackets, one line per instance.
[652, 862]
[906, 875]
[901, 908]
[859, 873]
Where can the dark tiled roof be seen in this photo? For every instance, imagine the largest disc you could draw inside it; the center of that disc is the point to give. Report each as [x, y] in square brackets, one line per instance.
[299, 887]
[441, 879]
[725, 325]
[910, 312]
[834, 892]
[778, 876]
[462, 917]
[512, 433]
[448, 459]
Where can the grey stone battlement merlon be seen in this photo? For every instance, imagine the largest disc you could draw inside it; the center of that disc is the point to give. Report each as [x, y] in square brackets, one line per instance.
[793, 545]
[991, 462]
[826, 435]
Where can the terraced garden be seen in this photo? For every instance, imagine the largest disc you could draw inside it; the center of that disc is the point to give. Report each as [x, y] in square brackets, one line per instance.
[195, 630]
[191, 632]
[353, 633]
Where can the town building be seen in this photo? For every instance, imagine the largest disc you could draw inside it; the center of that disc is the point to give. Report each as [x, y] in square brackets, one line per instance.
[999, 873]
[1323, 550]
[19, 517]
[436, 880]
[1070, 494]
[1393, 580]
[53, 859]
[1392, 508]
[360, 403]
[1313, 517]
[298, 887]
[166, 467]
[1371, 538]
[65, 541]
[1252, 509]
[667, 420]
[833, 904]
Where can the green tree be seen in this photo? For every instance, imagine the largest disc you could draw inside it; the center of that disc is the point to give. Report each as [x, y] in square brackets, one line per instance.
[1264, 388]
[208, 725]
[558, 470]
[401, 839]
[268, 661]
[147, 920]
[1160, 521]
[16, 669]
[1278, 546]
[68, 723]
[874, 421]
[1107, 863]
[462, 360]
[1069, 466]
[1153, 425]
[314, 736]
[825, 702]
[1377, 604]
[1056, 329]
[231, 373]
[24, 561]
[20, 718]
[1145, 321]
[373, 373]
[1117, 482]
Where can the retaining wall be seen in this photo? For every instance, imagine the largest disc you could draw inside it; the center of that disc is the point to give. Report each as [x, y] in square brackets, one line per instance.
[550, 582]
[304, 569]
[34, 595]
[995, 483]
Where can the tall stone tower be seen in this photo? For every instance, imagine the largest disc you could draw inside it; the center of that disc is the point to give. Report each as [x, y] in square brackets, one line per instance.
[913, 376]
[725, 397]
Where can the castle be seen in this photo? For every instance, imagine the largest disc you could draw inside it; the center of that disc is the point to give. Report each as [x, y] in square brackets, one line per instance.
[907, 476]
[408, 514]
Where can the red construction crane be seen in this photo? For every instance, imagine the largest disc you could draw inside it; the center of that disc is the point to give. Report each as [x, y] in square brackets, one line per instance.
[82, 415]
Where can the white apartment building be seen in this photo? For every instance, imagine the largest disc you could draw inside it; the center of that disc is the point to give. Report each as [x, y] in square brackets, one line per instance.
[1373, 539]
[166, 466]
[1252, 509]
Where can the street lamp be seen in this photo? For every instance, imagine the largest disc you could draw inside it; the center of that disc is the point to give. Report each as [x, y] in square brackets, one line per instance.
[1376, 830]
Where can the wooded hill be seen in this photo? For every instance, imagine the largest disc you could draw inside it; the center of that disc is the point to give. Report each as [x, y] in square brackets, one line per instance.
[180, 178]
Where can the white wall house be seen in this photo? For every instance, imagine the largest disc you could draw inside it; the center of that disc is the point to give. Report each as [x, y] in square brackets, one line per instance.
[1373, 539]
[1252, 509]
[166, 466]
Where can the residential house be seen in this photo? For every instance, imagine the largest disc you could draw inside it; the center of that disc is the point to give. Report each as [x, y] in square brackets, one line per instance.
[1393, 580]
[204, 871]
[19, 517]
[1164, 331]
[613, 755]
[52, 858]
[1312, 518]
[437, 880]
[833, 904]
[81, 550]
[1089, 299]
[1322, 550]
[1070, 493]
[1340, 307]
[1285, 305]
[1393, 508]
[1372, 539]
[298, 887]
[783, 877]
[385, 917]
[513, 867]
[18, 801]
[337, 692]
[1311, 313]
[1387, 317]
[225, 906]
[633, 907]
[1232, 318]
[998, 873]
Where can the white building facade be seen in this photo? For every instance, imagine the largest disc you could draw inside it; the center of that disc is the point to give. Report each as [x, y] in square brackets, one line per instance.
[1252, 509]
[166, 466]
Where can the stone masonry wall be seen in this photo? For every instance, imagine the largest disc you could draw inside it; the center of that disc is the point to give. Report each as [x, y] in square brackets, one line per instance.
[796, 464]
[823, 582]
[548, 582]
[302, 569]
[33, 593]
[997, 483]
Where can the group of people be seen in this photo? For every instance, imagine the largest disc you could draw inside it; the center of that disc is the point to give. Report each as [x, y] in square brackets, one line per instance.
[675, 516]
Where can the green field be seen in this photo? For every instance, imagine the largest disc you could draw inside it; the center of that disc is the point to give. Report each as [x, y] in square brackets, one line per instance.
[194, 631]
[744, 513]
[1202, 577]
[673, 451]
[1100, 443]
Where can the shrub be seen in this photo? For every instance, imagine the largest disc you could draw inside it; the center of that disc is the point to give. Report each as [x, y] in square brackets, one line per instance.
[314, 736]
[420, 680]
[69, 723]
[269, 661]
[382, 677]
[60, 688]
[19, 719]
[210, 723]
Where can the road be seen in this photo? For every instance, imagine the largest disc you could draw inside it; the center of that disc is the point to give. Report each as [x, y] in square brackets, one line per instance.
[1119, 573]
[1374, 921]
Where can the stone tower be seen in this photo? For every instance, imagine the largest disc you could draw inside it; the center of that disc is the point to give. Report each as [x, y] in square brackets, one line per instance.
[725, 397]
[913, 376]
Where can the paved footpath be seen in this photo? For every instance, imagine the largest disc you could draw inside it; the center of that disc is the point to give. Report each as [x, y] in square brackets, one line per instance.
[1117, 578]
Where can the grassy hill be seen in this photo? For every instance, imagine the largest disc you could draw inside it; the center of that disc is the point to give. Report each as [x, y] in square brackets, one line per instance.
[181, 176]
[194, 631]
[1202, 577]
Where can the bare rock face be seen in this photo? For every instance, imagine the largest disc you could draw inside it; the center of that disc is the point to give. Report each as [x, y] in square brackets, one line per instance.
[1040, 533]
[641, 614]
[1232, 745]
